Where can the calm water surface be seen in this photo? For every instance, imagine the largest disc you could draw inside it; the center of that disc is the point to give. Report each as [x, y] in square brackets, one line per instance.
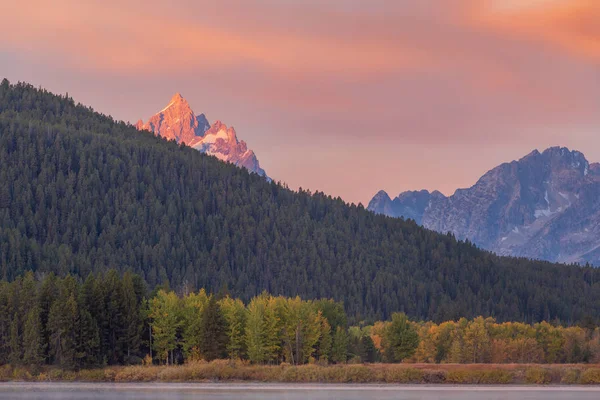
[152, 391]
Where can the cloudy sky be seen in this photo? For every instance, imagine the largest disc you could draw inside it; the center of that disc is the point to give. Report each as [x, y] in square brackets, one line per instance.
[343, 96]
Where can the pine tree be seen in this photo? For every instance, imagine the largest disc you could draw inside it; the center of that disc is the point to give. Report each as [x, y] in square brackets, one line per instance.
[62, 323]
[34, 345]
[214, 339]
[48, 293]
[115, 323]
[132, 320]
[4, 194]
[371, 353]
[87, 339]
[5, 321]
[15, 341]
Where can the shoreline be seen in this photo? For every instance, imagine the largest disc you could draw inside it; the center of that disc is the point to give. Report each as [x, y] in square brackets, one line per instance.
[261, 386]
[238, 373]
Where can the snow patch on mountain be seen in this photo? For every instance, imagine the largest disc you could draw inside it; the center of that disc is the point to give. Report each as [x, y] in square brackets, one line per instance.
[178, 122]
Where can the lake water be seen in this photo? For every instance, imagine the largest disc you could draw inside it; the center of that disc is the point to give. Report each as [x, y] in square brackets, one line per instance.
[155, 391]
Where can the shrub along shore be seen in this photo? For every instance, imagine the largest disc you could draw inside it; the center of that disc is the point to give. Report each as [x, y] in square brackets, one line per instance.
[236, 371]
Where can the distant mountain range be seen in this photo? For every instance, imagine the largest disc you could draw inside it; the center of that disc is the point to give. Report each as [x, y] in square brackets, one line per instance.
[544, 206]
[178, 122]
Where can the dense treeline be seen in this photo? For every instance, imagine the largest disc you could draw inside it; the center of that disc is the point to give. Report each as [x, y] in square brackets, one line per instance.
[61, 321]
[112, 320]
[82, 193]
[483, 340]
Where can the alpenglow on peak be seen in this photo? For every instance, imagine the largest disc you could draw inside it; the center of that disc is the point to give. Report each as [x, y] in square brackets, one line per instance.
[177, 121]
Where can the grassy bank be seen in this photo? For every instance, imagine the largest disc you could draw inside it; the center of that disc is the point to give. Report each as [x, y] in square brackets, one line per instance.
[372, 373]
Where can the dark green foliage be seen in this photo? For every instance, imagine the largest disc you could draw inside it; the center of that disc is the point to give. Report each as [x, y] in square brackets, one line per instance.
[81, 193]
[87, 339]
[33, 341]
[133, 323]
[339, 349]
[63, 330]
[400, 339]
[371, 354]
[62, 321]
[214, 332]
[334, 312]
[15, 341]
[363, 348]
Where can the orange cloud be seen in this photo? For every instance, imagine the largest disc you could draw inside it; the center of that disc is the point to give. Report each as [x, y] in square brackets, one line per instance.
[573, 25]
[119, 37]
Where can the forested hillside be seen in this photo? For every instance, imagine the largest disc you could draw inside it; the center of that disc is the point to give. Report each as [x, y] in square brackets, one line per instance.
[81, 193]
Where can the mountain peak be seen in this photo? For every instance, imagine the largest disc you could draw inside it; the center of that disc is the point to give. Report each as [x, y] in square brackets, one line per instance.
[178, 122]
[563, 152]
[382, 194]
[543, 205]
[534, 153]
[177, 104]
[177, 97]
[381, 203]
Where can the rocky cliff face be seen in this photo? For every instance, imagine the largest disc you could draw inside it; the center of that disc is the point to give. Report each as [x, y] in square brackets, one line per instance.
[178, 122]
[545, 205]
[409, 205]
[221, 142]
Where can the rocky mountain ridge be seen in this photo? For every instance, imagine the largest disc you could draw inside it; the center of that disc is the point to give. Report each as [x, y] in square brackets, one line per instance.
[545, 206]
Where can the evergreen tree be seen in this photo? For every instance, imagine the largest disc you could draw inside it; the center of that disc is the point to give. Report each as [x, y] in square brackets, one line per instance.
[62, 325]
[132, 317]
[34, 346]
[370, 351]
[214, 339]
[15, 341]
[115, 336]
[5, 321]
[48, 293]
[87, 339]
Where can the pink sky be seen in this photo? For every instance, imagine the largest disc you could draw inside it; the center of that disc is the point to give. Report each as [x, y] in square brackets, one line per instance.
[343, 96]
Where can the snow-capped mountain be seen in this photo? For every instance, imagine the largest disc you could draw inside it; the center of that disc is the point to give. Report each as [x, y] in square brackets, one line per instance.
[545, 205]
[178, 122]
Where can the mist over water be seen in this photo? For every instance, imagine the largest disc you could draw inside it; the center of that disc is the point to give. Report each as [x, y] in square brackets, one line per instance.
[152, 391]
